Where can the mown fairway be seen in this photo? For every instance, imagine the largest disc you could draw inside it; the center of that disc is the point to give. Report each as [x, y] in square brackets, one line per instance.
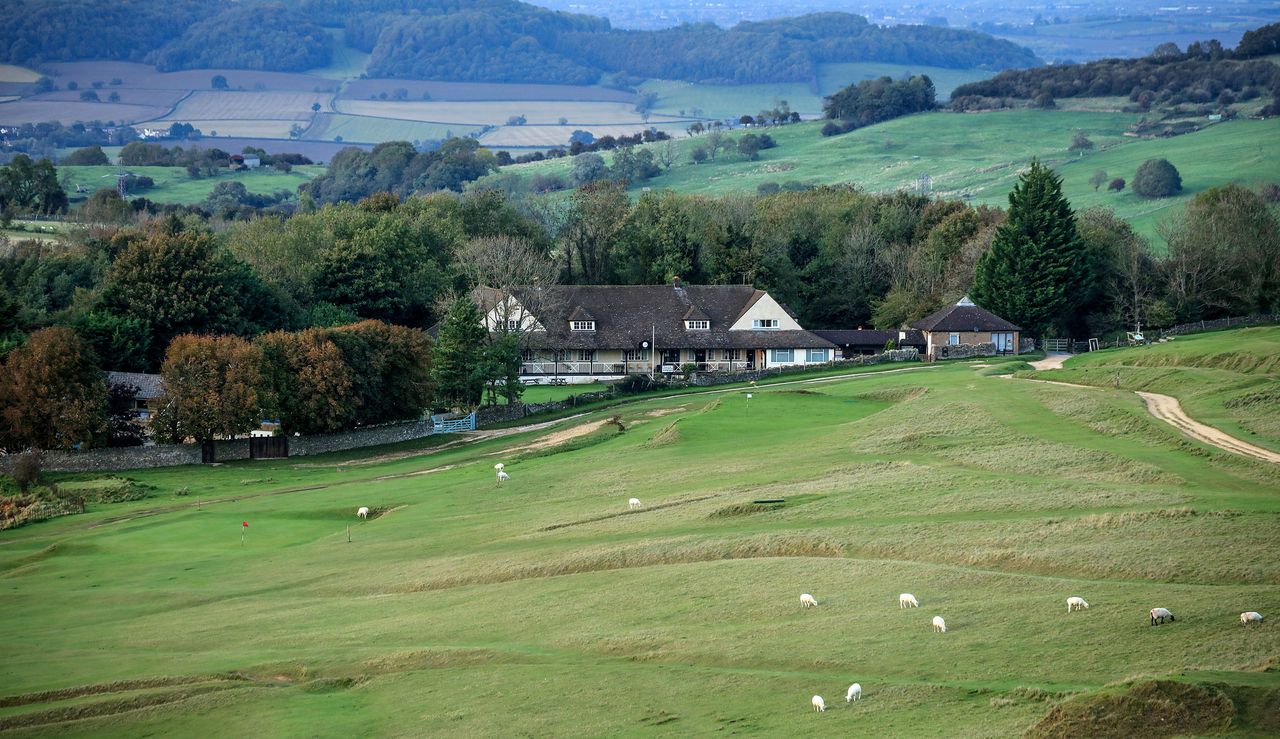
[546, 608]
[978, 156]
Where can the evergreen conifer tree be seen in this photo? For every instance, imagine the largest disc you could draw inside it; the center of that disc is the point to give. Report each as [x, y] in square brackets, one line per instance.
[457, 368]
[1033, 272]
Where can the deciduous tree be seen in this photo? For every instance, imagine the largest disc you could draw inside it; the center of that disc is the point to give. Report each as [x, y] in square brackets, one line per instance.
[52, 393]
[210, 389]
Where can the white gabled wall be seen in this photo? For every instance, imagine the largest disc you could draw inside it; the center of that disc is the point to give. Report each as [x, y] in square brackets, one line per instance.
[510, 309]
[799, 356]
[766, 307]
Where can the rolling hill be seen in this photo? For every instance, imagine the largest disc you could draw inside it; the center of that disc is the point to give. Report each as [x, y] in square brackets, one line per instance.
[976, 156]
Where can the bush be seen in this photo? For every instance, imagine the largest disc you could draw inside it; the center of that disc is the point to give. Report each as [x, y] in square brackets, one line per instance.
[831, 128]
[632, 384]
[26, 470]
[1117, 184]
[1157, 178]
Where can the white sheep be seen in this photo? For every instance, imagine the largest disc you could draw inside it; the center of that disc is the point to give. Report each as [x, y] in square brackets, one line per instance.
[1249, 617]
[807, 601]
[1076, 603]
[633, 504]
[1158, 615]
[819, 704]
[907, 600]
[363, 512]
[939, 626]
[499, 466]
[503, 477]
[854, 694]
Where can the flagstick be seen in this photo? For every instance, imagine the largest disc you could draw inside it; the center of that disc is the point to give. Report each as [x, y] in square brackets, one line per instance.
[348, 533]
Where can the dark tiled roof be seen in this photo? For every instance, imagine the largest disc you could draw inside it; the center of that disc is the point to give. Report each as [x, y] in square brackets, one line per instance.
[625, 315]
[868, 337]
[581, 314]
[964, 316]
[149, 386]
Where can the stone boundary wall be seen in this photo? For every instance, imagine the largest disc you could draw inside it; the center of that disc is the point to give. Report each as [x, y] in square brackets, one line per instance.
[964, 351]
[116, 459]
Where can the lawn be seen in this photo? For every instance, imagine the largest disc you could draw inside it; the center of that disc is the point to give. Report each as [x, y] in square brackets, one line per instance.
[977, 156]
[1227, 379]
[174, 185]
[545, 607]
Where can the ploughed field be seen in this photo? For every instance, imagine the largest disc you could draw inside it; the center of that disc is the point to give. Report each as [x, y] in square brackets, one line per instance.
[547, 607]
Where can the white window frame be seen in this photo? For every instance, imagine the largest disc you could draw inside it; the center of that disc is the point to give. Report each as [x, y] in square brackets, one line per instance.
[733, 355]
[953, 338]
[513, 324]
[637, 355]
[586, 355]
[764, 324]
[810, 357]
[582, 325]
[697, 325]
[778, 359]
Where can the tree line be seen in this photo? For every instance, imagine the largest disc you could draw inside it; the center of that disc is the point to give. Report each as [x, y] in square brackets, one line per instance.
[839, 256]
[1203, 73]
[872, 101]
[490, 41]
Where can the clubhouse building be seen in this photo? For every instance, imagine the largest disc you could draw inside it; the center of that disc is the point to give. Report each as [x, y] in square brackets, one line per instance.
[582, 333]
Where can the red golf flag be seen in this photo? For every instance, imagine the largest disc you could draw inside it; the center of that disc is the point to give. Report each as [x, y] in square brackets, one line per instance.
[245, 524]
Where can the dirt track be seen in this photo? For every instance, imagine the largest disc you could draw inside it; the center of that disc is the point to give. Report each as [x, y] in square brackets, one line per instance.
[1167, 409]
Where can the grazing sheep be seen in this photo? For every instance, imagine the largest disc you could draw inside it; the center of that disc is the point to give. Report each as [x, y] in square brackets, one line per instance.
[363, 513]
[807, 601]
[633, 504]
[1158, 615]
[1249, 617]
[939, 626]
[819, 704]
[499, 466]
[503, 477]
[1076, 603]
[907, 600]
[854, 694]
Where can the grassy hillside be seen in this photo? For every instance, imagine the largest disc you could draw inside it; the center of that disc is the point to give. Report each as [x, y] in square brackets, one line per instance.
[546, 607]
[979, 155]
[1228, 379]
[174, 185]
[731, 101]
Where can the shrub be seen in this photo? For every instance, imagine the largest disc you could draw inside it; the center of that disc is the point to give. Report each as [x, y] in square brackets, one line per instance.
[831, 128]
[632, 384]
[1157, 178]
[26, 470]
[1117, 184]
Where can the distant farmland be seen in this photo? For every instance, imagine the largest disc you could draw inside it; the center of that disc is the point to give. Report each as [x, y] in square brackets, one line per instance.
[329, 126]
[366, 89]
[36, 110]
[496, 113]
[277, 106]
[542, 137]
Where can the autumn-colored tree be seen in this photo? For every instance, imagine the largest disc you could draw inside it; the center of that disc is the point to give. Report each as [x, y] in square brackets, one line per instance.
[306, 383]
[210, 388]
[52, 393]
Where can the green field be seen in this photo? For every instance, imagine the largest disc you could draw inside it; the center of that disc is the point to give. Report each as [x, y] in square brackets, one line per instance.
[1227, 379]
[978, 156]
[347, 63]
[360, 128]
[546, 607]
[731, 101]
[174, 185]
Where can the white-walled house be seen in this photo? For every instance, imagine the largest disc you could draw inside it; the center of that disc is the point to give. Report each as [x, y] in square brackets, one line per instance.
[581, 333]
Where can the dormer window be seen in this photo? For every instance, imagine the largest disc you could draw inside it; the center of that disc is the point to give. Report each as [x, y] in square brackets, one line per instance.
[582, 325]
[697, 325]
[513, 324]
[764, 323]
